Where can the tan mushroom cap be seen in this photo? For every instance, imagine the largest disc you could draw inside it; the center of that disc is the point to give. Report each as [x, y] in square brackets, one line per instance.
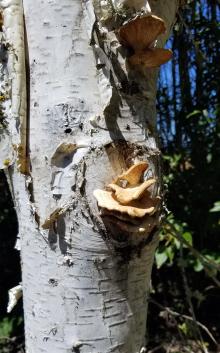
[150, 58]
[141, 32]
[137, 208]
[124, 196]
[134, 174]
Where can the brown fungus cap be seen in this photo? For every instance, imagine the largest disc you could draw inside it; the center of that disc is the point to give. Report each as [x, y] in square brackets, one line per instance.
[134, 174]
[126, 195]
[150, 58]
[138, 208]
[129, 202]
[141, 32]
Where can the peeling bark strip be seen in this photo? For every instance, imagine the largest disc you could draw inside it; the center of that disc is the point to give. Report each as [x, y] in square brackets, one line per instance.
[86, 275]
[13, 139]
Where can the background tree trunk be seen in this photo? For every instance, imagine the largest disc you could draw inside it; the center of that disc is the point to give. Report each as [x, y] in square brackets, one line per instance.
[88, 118]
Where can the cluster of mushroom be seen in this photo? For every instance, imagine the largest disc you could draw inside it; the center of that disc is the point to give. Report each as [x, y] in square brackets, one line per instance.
[140, 34]
[127, 201]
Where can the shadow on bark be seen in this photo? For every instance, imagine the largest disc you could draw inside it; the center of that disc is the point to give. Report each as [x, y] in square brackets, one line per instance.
[56, 236]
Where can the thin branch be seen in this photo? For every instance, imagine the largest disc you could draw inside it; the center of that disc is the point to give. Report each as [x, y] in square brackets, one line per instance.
[155, 349]
[176, 314]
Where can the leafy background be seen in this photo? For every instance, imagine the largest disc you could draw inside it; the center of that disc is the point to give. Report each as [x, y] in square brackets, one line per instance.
[183, 314]
[186, 276]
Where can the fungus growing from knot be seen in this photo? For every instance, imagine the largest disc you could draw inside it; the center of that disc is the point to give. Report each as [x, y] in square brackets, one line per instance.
[125, 196]
[140, 34]
[134, 174]
[127, 203]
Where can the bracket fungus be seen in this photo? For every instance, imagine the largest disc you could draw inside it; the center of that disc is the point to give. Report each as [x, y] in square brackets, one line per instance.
[140, 34]
[134, 174]
[150, 58]
[108, 200]
[124, 196]
[127, 203]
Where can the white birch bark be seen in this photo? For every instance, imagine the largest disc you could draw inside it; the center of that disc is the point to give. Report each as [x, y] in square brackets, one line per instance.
[85, 290]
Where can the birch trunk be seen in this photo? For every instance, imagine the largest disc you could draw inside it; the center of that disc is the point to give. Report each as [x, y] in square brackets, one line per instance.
[86, 118]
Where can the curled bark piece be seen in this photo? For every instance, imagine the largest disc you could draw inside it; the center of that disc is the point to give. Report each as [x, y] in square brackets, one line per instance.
[53, 218]
[126, 195]
[134, 174]
[14, 294]
[141, 32]
[150, 58]
[137, 209]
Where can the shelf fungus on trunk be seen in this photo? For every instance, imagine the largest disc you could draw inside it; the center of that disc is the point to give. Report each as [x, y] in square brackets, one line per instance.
[141, 32]
[150, 58]
[127, 206]
[140, 35]
[127, 195]
[134, 174]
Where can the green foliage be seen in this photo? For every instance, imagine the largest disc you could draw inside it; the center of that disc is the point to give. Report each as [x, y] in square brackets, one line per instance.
[8, 325]
[10, 341]
[169, 247]
[169, 244]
